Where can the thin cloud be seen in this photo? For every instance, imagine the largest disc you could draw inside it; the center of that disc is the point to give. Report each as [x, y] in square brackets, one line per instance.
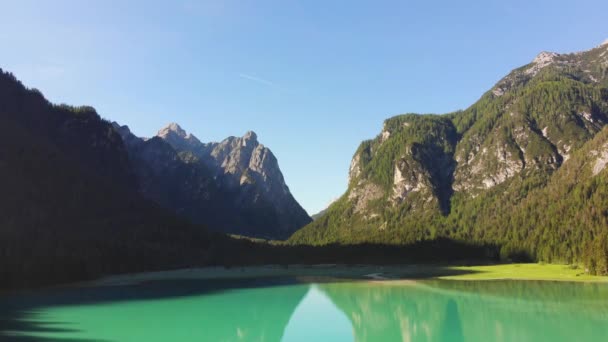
[257, 80]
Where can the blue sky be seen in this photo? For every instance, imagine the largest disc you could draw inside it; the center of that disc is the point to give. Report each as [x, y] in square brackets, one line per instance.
[312, 78]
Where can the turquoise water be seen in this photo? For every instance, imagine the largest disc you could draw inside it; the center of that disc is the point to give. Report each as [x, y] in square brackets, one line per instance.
[284, 310]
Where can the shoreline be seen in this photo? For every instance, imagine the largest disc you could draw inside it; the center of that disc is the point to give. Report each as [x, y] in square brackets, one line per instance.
[387, 274]
[373, 273]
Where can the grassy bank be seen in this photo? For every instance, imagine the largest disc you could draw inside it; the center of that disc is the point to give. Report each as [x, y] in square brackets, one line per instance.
[522, 272]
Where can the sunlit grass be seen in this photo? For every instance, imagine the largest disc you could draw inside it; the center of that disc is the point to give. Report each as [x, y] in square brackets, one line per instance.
[523, 272]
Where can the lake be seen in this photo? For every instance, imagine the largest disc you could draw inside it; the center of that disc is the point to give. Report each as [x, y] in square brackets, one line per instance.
[284, 309]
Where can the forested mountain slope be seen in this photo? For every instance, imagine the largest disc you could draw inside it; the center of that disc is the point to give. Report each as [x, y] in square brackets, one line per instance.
[523, 167]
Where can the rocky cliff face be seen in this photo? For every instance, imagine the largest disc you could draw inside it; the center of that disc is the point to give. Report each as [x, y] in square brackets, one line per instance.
[417, 178]
[235, 186]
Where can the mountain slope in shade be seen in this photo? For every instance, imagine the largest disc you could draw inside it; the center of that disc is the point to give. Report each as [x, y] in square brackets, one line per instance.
[70, 209]
[471, 175]
[234, 186]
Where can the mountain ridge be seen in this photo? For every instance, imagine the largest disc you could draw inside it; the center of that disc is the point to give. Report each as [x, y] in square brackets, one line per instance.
[233, 186]
[424, 176]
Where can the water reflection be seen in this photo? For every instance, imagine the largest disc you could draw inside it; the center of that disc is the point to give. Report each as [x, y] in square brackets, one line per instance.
[185, 310]
[451, 327]
[317, 319]
[286, 311]
[474, 311]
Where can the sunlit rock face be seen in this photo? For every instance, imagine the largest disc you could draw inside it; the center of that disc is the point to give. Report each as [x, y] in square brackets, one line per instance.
[234, 185]
[406, 180]
[601, 159]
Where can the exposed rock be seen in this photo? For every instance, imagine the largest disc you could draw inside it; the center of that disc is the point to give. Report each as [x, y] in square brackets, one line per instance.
[545, 58]
[544, 131]
[125, 133]
[235, 185]
[384, 136]
[363, 194]
[601, 161]
[587, 116]
[178, 138]
[476, 168]
[509, 167]
[564, 152]
[354, 170]
[406, 180]
[498, 91]
[542, 60]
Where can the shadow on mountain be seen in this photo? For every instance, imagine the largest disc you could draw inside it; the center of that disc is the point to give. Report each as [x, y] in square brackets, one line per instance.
[254, 316]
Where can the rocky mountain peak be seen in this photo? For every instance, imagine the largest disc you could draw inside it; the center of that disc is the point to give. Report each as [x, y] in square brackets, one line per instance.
[172, 128]
[604, 43]
[238, 174]
[250, 136]
[544, 58]
[125, 133]
[177, 137]
[122, 129]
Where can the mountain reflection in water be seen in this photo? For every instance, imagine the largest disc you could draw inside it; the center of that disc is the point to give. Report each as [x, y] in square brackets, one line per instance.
[285, 310]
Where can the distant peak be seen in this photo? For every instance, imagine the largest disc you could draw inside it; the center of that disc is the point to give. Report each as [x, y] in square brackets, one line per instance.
[121, 128]
[250, 135]
[172, 128]
[545, 57]
[604, 43]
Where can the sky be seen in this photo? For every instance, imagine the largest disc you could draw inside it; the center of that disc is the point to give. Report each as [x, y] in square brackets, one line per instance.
[313, 78]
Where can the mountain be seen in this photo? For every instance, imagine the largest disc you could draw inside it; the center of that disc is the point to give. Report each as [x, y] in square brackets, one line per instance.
[491, 173]
[70, 205]
[234, 186]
